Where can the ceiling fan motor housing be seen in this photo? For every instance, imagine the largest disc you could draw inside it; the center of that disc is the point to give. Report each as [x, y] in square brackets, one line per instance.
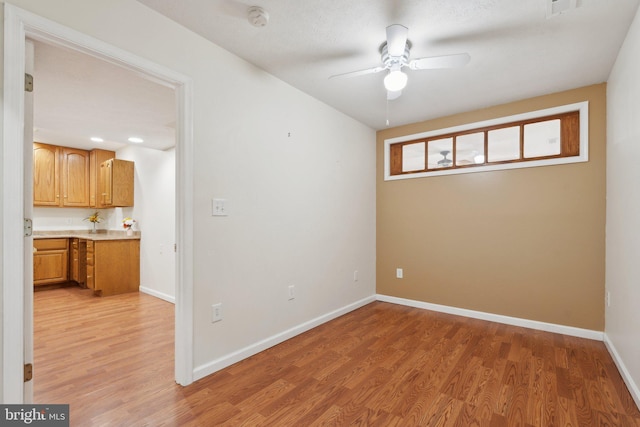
[389, 61]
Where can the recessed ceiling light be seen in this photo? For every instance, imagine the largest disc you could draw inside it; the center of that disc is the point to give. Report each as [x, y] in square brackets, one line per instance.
[136, 140]
[96, 139]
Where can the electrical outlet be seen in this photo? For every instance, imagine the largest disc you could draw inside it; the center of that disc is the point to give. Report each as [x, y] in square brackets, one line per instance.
[399, 273]
[216, 313]
[292, 293]
[355, 276]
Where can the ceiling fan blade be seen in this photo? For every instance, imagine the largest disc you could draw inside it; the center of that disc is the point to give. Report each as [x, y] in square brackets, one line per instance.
[393, 94]
[358, 73]
[445, 61]
[396, 39]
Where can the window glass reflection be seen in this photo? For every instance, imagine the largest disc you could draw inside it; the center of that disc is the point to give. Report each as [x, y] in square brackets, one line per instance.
[504, 144]
[470, 149]
[413, 157]
[440, 153]
[542, 138]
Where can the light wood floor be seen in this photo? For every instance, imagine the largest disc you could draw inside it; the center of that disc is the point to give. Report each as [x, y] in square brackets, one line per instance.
[111, 359]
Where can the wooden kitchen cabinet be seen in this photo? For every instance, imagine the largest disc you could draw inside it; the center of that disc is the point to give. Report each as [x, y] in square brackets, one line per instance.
[78, 261]
[60, 176]
[113, 266]
[89, 265]
[50, 261]
[116, 183]
[74, 177]
[46, 175]
[96, 158]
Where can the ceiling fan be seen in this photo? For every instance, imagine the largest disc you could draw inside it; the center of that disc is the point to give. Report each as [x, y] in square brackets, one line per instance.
[445, 162]
[395, 55]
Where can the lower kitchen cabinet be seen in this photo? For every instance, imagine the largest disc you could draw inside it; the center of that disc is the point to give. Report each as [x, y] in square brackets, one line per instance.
[113, 266]
[108, 267]
[77, 261]
[50, 261]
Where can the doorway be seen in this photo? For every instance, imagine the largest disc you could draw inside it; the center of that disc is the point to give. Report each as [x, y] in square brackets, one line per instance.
[17, 324]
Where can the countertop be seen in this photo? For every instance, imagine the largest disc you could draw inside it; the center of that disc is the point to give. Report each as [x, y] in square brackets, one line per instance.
[85, 234]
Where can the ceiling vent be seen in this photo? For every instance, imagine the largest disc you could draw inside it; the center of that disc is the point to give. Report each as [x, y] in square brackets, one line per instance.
[556, 7]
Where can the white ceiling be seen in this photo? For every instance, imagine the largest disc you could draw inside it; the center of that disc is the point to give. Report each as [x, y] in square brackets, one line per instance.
[77, 96]
[516, 50]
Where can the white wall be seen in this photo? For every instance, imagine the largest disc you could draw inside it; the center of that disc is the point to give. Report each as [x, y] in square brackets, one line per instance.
[622, 318]
[48, 218]
[302, 206]
[154, 211]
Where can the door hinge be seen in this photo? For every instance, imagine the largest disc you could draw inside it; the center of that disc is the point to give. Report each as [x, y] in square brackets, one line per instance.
[28, 227]
[28, 82]
[28, 372]
[175, 247]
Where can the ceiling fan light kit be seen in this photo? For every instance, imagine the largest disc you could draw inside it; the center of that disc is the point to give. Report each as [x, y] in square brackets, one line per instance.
[396, 80]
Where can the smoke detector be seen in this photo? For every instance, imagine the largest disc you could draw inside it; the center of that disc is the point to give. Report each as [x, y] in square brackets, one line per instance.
[258, 17]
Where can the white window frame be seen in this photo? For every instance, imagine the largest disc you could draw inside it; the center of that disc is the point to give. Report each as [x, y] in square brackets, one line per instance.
[581, 107]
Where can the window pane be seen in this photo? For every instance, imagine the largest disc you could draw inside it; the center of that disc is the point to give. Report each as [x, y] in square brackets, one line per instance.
[470, 149]
[440, 153]
[504, 144]
[413, 157]
[542, 138]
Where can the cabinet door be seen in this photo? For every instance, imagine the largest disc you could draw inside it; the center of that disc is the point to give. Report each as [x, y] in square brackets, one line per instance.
[116, 182]
[75, 178]
[50, 267]
[46, 172]
[50, 261]
[106, 183]
[96, 158]
[122, 182]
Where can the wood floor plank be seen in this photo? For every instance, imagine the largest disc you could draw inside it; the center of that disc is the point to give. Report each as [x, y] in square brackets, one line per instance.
[111, 359]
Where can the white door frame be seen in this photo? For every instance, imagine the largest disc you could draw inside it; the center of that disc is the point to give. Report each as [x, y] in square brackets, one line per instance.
[18, 25]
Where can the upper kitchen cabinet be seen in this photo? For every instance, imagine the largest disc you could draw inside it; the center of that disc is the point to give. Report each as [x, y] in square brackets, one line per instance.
[75, 178]
[46, 175]
[116, 183]
[60, 176]
[96, 158]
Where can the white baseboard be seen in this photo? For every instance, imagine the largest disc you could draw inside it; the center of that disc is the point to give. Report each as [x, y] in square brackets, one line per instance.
[624, 372]
[229, 359]
[158, 294]
[515, 321]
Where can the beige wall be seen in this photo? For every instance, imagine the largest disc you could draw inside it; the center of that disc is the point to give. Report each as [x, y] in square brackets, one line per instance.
[526, 243]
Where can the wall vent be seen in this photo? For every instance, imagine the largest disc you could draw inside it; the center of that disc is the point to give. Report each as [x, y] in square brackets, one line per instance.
[557, 7]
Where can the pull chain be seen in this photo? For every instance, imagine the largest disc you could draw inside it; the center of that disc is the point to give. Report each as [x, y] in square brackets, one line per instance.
[387, 112]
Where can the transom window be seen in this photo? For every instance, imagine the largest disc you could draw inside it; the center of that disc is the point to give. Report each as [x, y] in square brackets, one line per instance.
[552, 136]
